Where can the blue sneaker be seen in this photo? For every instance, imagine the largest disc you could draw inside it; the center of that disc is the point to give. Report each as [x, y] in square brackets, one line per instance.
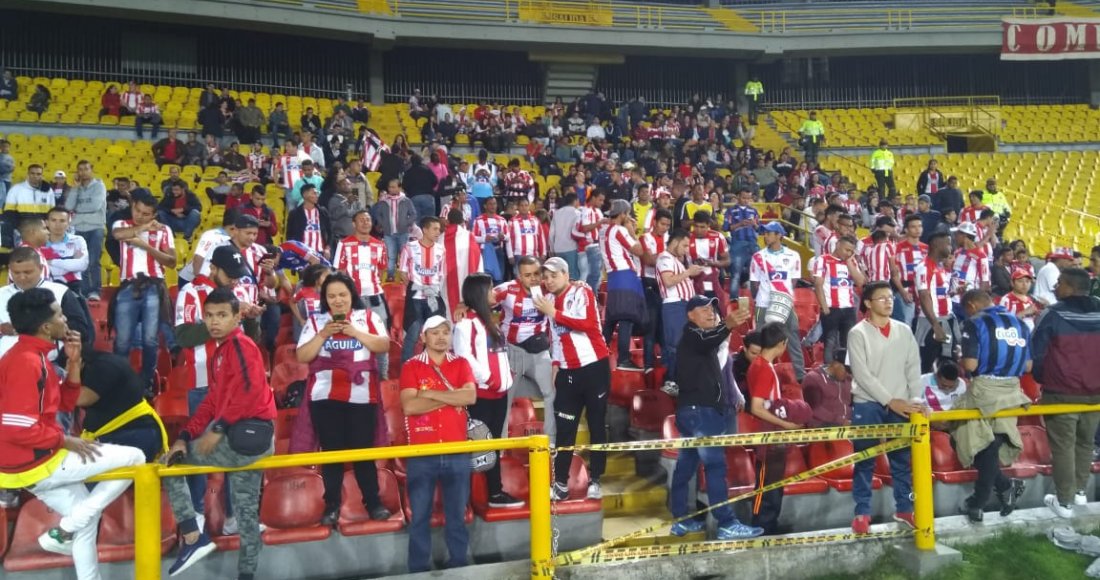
[739, 531]
[192, 553]
[680, 529]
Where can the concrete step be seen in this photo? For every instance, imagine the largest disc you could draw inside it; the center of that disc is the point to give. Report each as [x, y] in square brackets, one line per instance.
[630, 494]
[617, 526]
[620, 463]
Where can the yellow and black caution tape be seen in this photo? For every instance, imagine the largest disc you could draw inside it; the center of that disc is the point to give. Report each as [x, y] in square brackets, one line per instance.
[665, 550]
[886, 431]
[591, 553]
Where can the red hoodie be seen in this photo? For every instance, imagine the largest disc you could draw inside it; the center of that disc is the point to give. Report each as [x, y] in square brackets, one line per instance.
[238, 387]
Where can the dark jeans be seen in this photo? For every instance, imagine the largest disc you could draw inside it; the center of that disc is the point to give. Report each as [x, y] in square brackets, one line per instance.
[452, 473]
[835, 327]
[900, 461]
[425, 206]
[990, 478]
[92, 280]
[133, 309]
[584, 389]
[494, 413]
[280, 129]
[269, 326]
[741, 252]
[885, 182]
[673, 320]
[653, 334]
[341, 426]
[626, 330]
[699, 421]
[771, 461]
[182, 225]
[147, 439]
[141, 120]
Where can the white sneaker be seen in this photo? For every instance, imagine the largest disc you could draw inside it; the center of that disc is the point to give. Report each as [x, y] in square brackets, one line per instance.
[56, 541]
[595, 491]
[230, 528]
[1080, 498]
[200, 520]
[1062, 511]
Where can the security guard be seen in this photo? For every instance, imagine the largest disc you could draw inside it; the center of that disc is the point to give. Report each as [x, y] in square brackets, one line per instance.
[996, 349]
[882, 165]
[812, 134]
[754, 90]
[996, 201]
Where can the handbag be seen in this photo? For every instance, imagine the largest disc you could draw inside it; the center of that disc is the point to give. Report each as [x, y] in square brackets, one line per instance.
[251, 437]
[476, 430]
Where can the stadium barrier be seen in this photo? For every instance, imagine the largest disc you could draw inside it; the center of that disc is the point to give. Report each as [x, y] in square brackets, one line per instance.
[915, 435]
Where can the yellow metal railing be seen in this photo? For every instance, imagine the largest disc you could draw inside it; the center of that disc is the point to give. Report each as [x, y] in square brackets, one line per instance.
[147, 494]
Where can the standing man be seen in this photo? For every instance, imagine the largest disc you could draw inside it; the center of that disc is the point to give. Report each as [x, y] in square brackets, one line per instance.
[491, 231]
[309, 223]
[701, 411]
[88, 203]
[462, 257]
[70, 261]
[882, 165]
[233, 427]
[422, 264]
[625, 297]
[812, 136]
[707, 248]
[676, 290]
[588, 239]
[309, 176]
[1046, 279]
[908, 254]
[654, 243]
[363, 258]
[741, 222]
[754, 93]
[527, 331]
[995, 200]
[395, 214]
[971, 267]
[936, 329]
[562, 243]
[524, 235]
[1066, 331]
[836, 277]
[583, 378]
[35, 452]
[775, 270]
[996, 350]
[436, 388]
[886, 378]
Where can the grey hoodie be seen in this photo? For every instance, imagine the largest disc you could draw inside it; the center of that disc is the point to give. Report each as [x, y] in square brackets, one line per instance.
[89, 206]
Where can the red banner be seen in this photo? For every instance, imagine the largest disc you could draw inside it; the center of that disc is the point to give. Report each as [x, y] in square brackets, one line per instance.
[1050, 38]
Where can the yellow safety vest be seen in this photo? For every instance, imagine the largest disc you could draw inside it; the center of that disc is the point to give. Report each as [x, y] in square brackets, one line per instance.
[812, 129]
[133, 413]
[882, 160]
[640, 213]
[754, 89]
[996, 202]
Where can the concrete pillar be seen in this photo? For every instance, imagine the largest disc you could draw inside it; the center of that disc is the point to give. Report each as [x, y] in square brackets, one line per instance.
[1094, 83]
[740, 77]
[376, 83]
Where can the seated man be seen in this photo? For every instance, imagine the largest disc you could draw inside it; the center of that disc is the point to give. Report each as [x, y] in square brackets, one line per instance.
[180, 210]
[115, 410]
[828, 391]
[34, 451]
[25, 271]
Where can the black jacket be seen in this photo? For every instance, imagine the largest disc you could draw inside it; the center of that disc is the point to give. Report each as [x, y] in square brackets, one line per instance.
[168, 202]
[296, 225]
[419, 180]
[697, 370]
[948, 198]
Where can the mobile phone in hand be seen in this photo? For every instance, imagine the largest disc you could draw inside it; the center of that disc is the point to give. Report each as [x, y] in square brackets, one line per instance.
[173, 458]
[339, 317]
[742, 302]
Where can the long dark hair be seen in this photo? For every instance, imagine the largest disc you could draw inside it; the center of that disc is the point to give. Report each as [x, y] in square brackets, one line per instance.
[475, 295]
[341, 278]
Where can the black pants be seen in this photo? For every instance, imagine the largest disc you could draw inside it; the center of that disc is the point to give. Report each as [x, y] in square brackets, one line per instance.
[884, 180]
[990, 477]
[771, 461]
[584, 389]
[494, 413]
[341, 426]
[835, 327]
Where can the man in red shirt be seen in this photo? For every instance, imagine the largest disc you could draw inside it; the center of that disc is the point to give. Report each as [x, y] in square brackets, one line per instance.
[233, 427]
[436, 388]
[34, 451]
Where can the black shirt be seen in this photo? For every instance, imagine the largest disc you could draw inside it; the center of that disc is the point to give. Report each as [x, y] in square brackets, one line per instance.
[697, 371]
[117, 385]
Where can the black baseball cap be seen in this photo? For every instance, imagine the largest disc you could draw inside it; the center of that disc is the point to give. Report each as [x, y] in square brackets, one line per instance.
[246, 221]
[230, 261]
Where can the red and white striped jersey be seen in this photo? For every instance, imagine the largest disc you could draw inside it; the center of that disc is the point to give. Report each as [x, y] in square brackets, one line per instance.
[462, 257]
[521, 320]
[654, 245]
[248, 288]
[492, 372]
[362, 260]
[525, 237]
[343, 383]
[970, 214]
[486, 225]
[576, 329]
[908, 256]
[256, 162]
[467, 212]
[972, 268]
[684, 290]
[616, 250]
[312, 237]
[876, 260]
[290, 169]
[853, 207]
[1016, 304]
[423, 267]
[135, 261]
[519, 184]
[708, 247]
[931, 277]
[774, 271]
[988, 246]
[839, 286]
[589, 216]
[822, 235]
[189, 311]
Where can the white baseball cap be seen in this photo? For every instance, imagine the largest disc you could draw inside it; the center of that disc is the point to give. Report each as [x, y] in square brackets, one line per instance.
[433, 322]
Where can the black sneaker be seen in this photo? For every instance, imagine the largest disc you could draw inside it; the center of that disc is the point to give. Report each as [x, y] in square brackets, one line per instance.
[559, 492]
[503, 500]
[379, 514]
[972, 513]
[628, 365]
[1010, 496]
[331, 517]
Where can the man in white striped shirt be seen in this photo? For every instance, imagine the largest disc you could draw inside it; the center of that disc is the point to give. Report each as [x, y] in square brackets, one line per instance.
[674, 281]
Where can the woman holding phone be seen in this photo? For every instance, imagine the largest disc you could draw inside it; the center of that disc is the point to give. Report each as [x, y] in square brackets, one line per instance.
[338, 343]
[479, 340]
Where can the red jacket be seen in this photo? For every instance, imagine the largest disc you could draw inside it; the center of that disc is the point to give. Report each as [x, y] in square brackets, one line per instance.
[260, 213]
[238, 387]
[30, 399]
[112, 102]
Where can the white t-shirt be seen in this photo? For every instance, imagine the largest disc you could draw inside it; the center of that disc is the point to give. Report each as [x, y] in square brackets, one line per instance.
[936, 398]
[1045, 281]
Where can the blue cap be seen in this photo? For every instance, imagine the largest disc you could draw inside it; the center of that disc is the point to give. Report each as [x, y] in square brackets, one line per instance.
[699, 300]
[775, 228]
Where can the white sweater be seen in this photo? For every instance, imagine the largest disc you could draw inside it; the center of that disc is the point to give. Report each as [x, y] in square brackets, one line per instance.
[884, 368]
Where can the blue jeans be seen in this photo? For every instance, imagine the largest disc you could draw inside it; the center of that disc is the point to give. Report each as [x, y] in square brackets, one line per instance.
[699, 421]
[420, 311]
[394, 244]
[452, 473]
[904, 313]
[673, 320]
[425, 206]
[197, 483]
[181, 225]
[571, 260]
[92, 281]
[130, 311]
[741, 252]
[900, 460]
[594, 267]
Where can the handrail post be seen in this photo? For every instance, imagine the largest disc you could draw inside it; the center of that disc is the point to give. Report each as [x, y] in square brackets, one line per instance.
[542, 563]
[923, 511]
[147, 522]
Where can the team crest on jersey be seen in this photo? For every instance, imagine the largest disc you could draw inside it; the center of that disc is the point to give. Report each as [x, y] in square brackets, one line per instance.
[778, 276]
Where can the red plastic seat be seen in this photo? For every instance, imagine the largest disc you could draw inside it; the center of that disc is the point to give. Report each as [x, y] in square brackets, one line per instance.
[882, 469]
[740, 469]
[578, 490]
[796, 463]
[214, 502]
[284, 423]
[354, 519]
[669, 431]
[25, 553]
[1031, 388]
[391, 394]
[285, 373]
[788, 383]
[623, 386]
[522, 411]
[285, 353]
[116, 529]
[945, 463]
[1036, 450]
[3, 533]
[395, 300]
[292, 506]
[649, 409]
[839, 479]
[182, 378]
[524, 430]
[513, 477]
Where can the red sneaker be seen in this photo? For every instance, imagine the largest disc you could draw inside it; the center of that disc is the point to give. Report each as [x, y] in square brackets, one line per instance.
[861, 525]
[905, 518]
